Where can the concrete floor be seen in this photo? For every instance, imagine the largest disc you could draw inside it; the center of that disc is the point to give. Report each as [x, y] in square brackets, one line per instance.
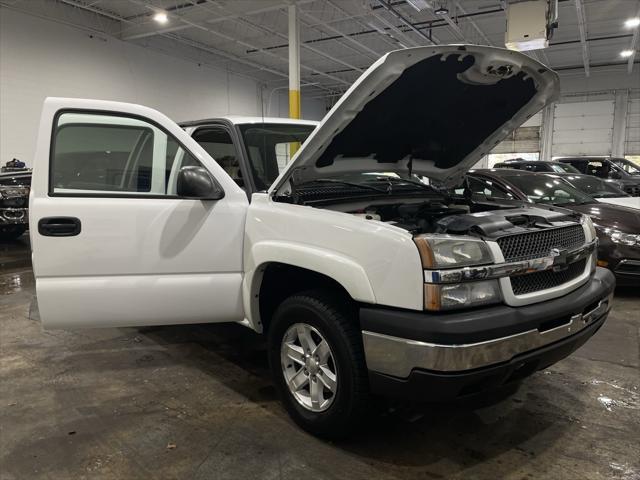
[196, 402]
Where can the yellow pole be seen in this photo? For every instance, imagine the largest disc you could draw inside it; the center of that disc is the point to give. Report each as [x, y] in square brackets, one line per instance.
[294, 70]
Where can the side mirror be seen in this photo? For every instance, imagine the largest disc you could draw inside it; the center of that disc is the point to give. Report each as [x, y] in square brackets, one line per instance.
[614, 174]
[197, 183]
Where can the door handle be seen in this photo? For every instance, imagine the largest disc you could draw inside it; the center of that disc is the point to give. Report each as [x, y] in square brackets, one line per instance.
[59, 226]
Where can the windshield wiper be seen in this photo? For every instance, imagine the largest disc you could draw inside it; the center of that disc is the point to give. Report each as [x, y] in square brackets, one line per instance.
[343, 182]
[391, 180]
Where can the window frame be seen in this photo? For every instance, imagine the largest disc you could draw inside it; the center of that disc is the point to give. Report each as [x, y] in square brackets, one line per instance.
[101, 194]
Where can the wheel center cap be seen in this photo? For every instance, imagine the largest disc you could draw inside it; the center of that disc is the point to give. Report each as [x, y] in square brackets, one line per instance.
[312, 365]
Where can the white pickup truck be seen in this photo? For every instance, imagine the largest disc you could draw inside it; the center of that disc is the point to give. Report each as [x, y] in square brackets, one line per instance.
[365, 276]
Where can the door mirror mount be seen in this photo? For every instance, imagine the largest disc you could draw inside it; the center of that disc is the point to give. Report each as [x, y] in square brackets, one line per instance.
[196, 183]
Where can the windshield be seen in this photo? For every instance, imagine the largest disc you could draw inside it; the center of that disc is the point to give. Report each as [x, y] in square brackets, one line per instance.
[594, 187]
[627, 166]
[564, 168]
[270, 146]
[546, 189]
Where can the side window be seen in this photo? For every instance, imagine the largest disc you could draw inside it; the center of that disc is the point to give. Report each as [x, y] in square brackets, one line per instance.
[218, 143]
[597, 169]
[106, 154]
[488, 189]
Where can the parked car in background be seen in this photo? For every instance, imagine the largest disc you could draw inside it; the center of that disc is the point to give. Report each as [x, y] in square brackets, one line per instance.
[14, 203]
[617, 227]
[600, 190]
[621, 172]
[536, 166]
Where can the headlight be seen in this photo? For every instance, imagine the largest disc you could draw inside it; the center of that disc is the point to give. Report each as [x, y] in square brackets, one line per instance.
[442, 251]
[461, 295]
[622, 238]
[592, 229]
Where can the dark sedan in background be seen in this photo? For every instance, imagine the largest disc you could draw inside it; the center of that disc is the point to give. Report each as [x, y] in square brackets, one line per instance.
[618, 227]
[536, 166]
[14, 203]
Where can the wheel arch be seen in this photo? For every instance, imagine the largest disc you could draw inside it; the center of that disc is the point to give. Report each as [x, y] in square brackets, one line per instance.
[280, 269]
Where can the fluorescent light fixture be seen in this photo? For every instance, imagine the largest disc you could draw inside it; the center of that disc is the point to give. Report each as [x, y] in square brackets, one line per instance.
[161, 17]
[626, 53]
[533, 44]
[419, 5]
[632, 22]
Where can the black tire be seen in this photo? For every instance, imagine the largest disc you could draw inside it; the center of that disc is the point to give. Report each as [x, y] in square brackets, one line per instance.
[336, 320]
[11, 232]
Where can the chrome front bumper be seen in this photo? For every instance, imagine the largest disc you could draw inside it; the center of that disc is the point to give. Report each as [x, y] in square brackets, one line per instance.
[397, 357]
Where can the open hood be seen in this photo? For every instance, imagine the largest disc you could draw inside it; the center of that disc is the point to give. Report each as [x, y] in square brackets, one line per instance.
[434, 111]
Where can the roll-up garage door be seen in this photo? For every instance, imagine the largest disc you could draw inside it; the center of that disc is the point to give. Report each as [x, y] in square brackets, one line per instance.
[525, 139]
[583, 128]
[632, 136]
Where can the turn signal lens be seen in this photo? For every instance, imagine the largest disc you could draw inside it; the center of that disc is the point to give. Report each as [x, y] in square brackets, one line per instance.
[461, 295]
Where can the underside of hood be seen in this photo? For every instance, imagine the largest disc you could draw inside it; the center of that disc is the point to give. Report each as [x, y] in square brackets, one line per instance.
[433, 111]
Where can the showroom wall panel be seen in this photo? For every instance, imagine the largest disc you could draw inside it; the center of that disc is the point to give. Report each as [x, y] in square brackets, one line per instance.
[40, 58]
[583, 128]
[632, 136]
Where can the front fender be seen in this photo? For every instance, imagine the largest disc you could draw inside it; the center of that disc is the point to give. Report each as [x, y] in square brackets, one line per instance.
[339, 267]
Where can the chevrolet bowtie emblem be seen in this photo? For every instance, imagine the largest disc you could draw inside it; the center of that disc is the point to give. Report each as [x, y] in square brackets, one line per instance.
[559, 259]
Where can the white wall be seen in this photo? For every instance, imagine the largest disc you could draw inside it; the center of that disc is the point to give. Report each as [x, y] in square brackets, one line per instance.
[40, 58]
[601, 78]
[311, 108]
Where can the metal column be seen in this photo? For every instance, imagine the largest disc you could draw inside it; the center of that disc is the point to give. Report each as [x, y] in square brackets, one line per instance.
[619, 123]
[294, 62]
[547, 132]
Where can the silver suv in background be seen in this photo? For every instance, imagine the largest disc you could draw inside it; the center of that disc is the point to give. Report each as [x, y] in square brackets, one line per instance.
[622, 172]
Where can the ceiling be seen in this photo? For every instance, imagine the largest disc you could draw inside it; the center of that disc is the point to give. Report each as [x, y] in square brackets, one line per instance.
[340, 38]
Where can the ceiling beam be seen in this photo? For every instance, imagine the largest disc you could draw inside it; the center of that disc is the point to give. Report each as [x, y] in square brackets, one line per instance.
[406, 22]
[473, 24]
[150, 29]
[371, 53]
[634, 46]
[270, 31]
[197, 45]
[235, 40]
[346, 15]
[582, 28]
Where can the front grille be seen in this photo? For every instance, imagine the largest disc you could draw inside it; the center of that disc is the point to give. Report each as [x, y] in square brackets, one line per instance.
[632, 190]
[629, 267]
[534, 282]
[538, 244]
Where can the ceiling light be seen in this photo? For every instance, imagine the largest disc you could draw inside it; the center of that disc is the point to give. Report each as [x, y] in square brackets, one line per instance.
[626, 53]
[161, 17]
[419, 5]
[441, 11]
[632, 22]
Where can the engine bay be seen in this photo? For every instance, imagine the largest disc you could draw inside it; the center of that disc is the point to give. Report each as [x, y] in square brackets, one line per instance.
[462, 219]
[416, 218]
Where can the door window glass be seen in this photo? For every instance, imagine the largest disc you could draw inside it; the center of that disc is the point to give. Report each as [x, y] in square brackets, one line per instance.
[219, 145]
[270, 147]
[599, 169]
[94, 153]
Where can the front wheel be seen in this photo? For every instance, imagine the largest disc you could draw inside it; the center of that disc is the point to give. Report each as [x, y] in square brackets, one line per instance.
[317, 361]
